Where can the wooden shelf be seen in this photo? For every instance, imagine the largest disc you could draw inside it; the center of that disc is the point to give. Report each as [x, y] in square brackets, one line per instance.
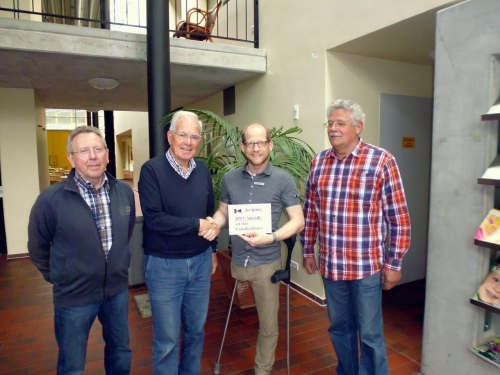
[492, 175]
[485, 306]
[490, 245]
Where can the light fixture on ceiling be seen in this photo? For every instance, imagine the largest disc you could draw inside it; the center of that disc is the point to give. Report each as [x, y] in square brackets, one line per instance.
[103, 83]
[92, 108]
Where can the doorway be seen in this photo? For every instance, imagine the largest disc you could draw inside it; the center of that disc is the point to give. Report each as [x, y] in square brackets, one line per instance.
[406, 132]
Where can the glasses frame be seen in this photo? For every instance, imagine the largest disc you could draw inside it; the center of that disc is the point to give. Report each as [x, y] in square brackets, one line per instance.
[85, 152]
[259, 144]
[329, 125]
[184, 137]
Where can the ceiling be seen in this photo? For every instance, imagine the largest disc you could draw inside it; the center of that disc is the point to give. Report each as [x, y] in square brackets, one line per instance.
[58, 60]
[411, 40]
[59, 76]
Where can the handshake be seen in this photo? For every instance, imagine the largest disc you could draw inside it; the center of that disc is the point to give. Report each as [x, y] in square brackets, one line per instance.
[209, 229]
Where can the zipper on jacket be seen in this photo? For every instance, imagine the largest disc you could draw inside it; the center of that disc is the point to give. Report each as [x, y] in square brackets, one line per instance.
[105, 275]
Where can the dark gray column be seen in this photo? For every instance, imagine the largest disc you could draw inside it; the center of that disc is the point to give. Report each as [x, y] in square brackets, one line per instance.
[109, 120]
[109, 136]
[158, 43]
[256, 24]
[105, 16]
[95, 119]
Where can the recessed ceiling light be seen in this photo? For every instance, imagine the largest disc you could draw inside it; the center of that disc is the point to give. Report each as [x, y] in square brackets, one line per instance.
[103, 83]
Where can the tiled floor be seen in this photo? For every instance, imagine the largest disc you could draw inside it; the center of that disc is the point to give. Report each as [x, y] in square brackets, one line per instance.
[27, 344]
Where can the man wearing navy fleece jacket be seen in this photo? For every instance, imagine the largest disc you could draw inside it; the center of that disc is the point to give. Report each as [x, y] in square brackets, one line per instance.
[177, 201]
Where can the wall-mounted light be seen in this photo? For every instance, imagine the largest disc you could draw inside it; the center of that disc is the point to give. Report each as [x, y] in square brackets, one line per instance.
[103, 83]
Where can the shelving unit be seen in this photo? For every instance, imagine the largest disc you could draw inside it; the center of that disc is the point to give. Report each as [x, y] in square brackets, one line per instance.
[490, 177]
[485, 306]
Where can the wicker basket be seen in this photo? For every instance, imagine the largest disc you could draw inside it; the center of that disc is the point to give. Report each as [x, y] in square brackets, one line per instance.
[244, 295]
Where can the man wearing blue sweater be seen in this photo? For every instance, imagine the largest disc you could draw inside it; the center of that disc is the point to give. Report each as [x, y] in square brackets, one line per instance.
[177, 197]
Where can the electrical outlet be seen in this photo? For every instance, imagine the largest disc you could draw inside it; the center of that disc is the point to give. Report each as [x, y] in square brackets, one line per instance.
[294, 264]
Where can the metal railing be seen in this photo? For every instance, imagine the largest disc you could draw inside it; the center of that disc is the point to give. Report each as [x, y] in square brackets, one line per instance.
[237, 20]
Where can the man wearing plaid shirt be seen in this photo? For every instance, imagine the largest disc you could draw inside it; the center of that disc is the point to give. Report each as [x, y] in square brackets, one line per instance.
[78, 236]
[354, 201]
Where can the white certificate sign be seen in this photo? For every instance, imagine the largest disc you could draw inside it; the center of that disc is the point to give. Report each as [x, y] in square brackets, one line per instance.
[244, 218]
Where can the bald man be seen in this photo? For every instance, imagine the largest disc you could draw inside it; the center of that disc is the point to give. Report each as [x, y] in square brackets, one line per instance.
[256, 256]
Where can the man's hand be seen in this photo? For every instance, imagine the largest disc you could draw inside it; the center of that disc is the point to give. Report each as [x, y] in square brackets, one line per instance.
[215, 263]
[389, 278]
[209, 229]
[310, 265]
[257, 239]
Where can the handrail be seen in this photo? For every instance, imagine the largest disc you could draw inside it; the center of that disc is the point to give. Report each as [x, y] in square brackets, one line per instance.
[233, 24]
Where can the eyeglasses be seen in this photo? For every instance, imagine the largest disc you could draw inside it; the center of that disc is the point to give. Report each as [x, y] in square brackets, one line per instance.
[85, 152]
[331, 124]
[258, 143]
[184, 137]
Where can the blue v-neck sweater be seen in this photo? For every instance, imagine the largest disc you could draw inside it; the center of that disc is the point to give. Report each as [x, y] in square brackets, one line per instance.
[172, 207]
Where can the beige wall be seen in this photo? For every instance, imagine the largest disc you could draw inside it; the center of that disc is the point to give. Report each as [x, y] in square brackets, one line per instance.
[137, 122]
[363, 79]
[302, 71]
[20, 170]
[42, 147]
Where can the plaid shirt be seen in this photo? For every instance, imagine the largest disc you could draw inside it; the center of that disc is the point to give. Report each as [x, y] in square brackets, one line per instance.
[349, 202]
[178, 168]
[99, 203]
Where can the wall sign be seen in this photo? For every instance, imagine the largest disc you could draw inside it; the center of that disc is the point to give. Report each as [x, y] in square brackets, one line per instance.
[408, 142]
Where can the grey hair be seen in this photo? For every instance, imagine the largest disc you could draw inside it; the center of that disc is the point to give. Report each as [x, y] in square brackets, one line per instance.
[180, 114]
[81, 130]
[357, 114]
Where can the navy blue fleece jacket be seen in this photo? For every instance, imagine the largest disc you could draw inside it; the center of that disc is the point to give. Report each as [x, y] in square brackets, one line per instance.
[65, 246]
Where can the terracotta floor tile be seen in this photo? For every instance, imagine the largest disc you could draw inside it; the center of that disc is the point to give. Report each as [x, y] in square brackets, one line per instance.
[28, 346]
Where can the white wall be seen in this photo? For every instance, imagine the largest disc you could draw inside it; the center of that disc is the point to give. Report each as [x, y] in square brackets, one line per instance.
[363, 79]
[296, 76]
[42, 146]
[20, 170]
[137, 122]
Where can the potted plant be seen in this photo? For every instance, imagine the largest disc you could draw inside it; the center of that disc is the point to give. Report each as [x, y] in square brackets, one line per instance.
[221, 149]
[221, 153]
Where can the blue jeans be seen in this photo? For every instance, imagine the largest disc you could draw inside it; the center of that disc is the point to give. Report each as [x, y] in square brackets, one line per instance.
[179, 290]
[72, 327]
[355, 306]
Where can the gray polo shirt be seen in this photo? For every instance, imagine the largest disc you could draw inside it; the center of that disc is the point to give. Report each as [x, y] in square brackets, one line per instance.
[274, 186]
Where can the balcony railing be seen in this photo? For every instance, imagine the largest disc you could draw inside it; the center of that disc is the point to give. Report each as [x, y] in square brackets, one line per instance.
[237, 20]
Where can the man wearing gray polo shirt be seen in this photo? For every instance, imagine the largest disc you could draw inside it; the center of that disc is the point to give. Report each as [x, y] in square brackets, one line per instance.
[256, 256]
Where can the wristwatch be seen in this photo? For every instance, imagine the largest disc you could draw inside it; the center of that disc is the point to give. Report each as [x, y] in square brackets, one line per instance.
[275, 238]
[214, 251]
